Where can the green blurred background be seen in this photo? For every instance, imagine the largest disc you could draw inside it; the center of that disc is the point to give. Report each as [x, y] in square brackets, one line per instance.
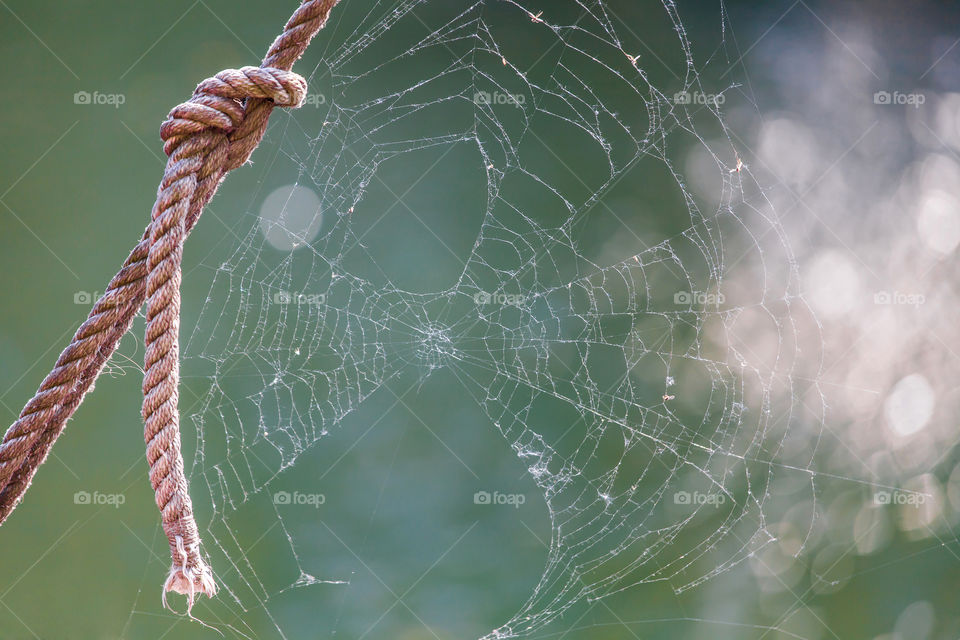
[398, 526]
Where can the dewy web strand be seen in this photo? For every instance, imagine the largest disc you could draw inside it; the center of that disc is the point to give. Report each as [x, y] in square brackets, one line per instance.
[586, 358]
[623, 374]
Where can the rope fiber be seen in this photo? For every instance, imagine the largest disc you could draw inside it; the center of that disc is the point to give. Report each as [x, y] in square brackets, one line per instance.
[204, 138]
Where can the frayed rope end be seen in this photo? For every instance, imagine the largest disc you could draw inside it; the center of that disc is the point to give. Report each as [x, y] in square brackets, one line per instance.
[190, 581]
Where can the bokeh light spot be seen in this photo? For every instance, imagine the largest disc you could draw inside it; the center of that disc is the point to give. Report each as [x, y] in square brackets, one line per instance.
[290, 217]
[833, 284]
[909, 407]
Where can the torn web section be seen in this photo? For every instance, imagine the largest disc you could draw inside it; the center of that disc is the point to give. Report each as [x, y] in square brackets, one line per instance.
[481, 228]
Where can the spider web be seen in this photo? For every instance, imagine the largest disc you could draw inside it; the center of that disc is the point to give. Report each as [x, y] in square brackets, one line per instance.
[539, 222]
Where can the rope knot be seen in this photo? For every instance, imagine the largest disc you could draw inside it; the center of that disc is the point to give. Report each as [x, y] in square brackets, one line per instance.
[218, 102]
[206, 137]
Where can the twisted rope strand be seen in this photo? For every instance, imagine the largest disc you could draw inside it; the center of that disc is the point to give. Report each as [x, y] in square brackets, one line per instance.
[214, 132]
[28, 440]
[194, 131]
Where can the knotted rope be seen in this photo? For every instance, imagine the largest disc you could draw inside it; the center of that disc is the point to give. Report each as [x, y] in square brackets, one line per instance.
[205, 138]
[196, 130]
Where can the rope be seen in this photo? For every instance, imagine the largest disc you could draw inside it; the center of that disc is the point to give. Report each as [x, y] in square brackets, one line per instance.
[195, 130]
[213, 133]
